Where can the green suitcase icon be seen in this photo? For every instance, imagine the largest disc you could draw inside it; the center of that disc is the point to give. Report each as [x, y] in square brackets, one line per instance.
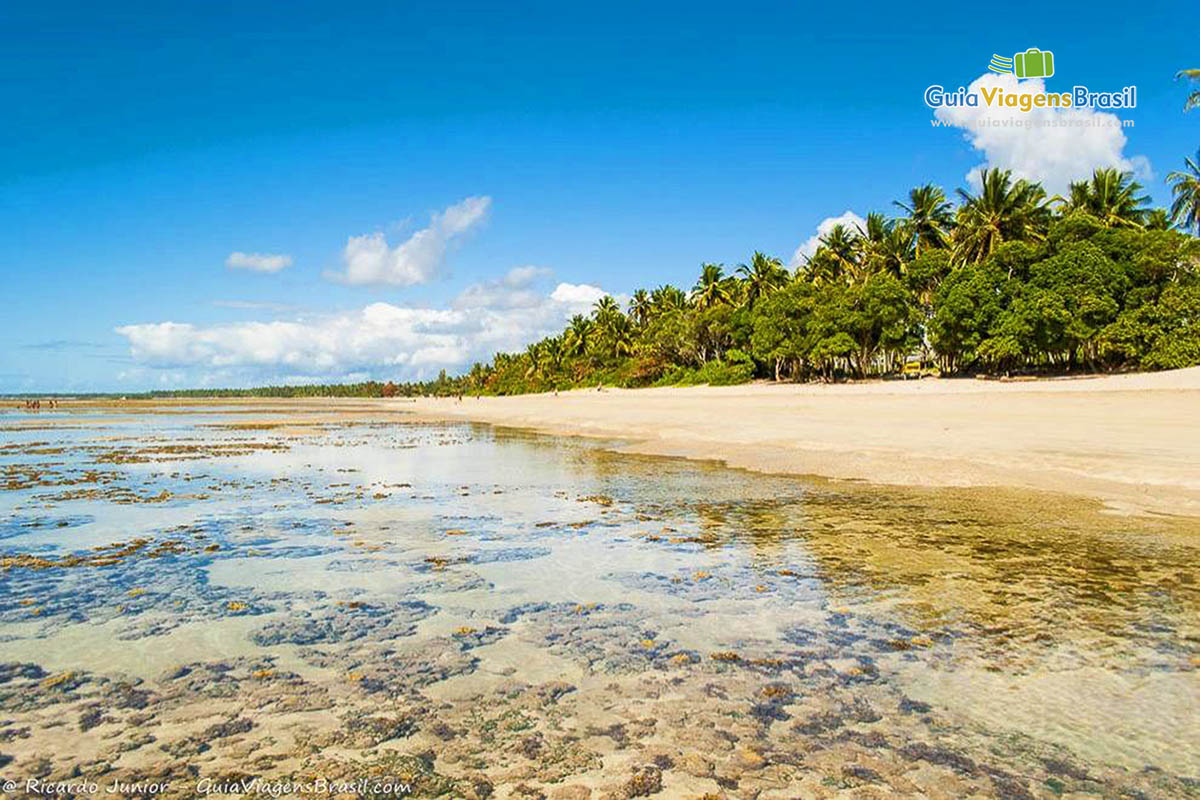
[1034, 63]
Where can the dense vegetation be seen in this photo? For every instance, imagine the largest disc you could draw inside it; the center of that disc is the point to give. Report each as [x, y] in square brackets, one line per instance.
[1010, 280]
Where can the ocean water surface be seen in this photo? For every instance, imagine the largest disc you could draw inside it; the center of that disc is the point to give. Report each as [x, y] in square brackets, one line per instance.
[227, 593]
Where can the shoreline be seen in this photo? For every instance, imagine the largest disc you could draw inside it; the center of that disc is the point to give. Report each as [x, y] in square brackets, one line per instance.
[1129, 441]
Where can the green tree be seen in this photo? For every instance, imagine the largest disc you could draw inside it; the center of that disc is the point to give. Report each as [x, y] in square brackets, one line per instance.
[605, 310]
[667, 338]
[711, 289]
[762, 276]
[1069, 298]
[640, 307]
[579, 336]
[836, 256]
[1157, 219]
[885, 246]
[711, 330]
[667, 298]
[1164, 334]
[925, 274]
[1004, 210]
[929, 217]
[966, 305]
[533, 354]
[1193, 98]
[881, 320]
[780, 327]
[1111, 196]
[555, 352]
[619, 336]
[1185, 186]
[828, 343]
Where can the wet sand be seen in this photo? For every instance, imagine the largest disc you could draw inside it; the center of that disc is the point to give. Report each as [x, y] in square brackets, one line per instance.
[1128, 440]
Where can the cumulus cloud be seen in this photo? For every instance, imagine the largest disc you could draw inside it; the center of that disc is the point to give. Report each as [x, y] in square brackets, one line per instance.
[370, 260]
[1053, 145]
[804, 251]
[258, 262]
[577, 294]
[380, 340]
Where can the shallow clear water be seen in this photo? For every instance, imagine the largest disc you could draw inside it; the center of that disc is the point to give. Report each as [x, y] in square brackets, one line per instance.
[205, 593]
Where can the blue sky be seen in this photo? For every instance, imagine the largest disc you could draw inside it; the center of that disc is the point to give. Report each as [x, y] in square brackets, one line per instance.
[539, 153]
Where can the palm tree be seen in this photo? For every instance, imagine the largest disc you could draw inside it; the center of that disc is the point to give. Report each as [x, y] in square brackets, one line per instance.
[501, 360]
[1157, 219]
[837, 255]
[640, 307]
[929, 217]
[534, 354]
[711, 290]
[554, 351]
[1185, 185]
[1193, 100]
[762, 276]
[895, 250]
[1111, 196]
[884, 246]
[608, 319]
[620, 336]
[1003, 211]
[870, 237]
[605, 309]
[668, 298]
[735, 288]
[579, 336]
[478, 376]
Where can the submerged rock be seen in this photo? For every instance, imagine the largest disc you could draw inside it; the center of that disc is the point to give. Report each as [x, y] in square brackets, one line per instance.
[332, 624]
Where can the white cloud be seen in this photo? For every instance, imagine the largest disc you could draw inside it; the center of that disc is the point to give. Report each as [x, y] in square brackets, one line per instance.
[370, 260]
[514, 290]
[258, 262]
[380, 340]
[1052, 145]
[804, 251]
[518, 277]
[580, 294]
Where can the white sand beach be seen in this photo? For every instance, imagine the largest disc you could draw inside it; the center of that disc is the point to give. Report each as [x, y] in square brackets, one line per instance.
[1132, 441]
